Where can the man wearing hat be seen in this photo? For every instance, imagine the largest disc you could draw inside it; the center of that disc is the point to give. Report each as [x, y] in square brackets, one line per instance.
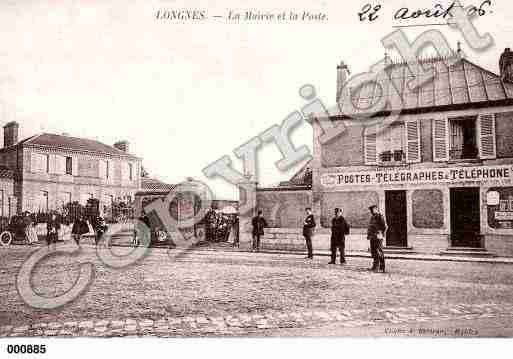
[375, 234]
[339, 230]
[259, 224]
[308, 230]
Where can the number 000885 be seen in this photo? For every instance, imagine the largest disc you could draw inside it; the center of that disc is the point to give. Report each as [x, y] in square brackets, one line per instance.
[26, 348]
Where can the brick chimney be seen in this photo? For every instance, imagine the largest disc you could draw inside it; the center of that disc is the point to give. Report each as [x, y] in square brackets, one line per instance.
[123, 146]
[506, 65]
[342, 76]
[11, 133]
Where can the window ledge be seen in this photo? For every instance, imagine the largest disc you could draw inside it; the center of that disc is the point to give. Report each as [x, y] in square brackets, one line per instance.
[393, 164]
[470, 160]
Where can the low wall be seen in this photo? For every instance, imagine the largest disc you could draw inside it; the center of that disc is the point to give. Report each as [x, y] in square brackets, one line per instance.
[292, 239]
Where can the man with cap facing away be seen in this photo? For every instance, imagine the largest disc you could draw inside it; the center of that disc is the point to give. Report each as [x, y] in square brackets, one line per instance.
[339, 230]
[375, 234]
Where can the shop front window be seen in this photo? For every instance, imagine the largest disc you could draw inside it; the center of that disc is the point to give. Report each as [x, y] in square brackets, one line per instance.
[501, 216]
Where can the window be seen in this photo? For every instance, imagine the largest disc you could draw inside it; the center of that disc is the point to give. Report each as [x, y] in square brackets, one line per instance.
[40, 162]
[391, 143]
[69, 165]
[130, 171]
[104, 169]
[462, 138]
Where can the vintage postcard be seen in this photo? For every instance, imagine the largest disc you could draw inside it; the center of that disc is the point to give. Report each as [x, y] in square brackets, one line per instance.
[252, 169]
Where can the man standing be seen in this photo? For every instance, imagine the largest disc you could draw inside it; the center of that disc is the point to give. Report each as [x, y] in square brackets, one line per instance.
[52, 230]
[375, 234]
[308, 229]
[339, 230]
[259, 224]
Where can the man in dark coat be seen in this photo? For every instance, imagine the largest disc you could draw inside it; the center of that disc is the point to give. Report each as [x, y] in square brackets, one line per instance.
[52, 229]
[259, 224]
[210, 219]
[375, 234]
[339, 230]
[308, 230]
[79, 228]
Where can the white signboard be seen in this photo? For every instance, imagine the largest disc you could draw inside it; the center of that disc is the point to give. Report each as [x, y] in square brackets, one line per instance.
[493, 198]
[418, 176]
[503, 216]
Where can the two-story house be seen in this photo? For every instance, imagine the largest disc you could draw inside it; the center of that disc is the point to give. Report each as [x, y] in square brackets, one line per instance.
[440, 169]
[49, 170]
[436, 159]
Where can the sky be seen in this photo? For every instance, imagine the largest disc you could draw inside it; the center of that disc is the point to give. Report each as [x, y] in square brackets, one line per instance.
[185, 93]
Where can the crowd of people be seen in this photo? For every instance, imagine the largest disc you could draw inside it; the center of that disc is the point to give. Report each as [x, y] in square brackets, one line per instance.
[340, 228]
[23, 227]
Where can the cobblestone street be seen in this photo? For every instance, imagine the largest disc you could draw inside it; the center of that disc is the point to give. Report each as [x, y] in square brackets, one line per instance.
[233, 293]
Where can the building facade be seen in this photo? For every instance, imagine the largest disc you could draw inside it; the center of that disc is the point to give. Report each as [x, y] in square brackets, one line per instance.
[52, 170]
[437, 160]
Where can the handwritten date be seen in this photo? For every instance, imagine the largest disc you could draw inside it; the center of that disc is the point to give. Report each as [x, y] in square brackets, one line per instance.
[370, 12]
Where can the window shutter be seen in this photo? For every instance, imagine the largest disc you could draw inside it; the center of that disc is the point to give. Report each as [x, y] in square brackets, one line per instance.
[102, 169]
[369, 143]
[110, 168]
[486, 135]
[440, 140]
[61, 165]
[74, 166]
[123, 171]
[413, 141]
[35, 162]
[52, 167]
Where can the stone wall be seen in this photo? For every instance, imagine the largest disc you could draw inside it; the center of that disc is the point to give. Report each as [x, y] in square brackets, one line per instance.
[354, 205]
[283, 209]
[427, 208]
[345, 149]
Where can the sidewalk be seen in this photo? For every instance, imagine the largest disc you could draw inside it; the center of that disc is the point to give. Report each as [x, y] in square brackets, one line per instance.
[411, 256]
[124, 239]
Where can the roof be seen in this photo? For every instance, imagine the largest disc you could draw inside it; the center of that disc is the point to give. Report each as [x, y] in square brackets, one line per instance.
[461, 83]
[155, 185]
[73, 143]
[302, 178]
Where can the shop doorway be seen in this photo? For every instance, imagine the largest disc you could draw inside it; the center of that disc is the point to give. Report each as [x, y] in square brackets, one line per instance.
[395, 213]
[465, 217]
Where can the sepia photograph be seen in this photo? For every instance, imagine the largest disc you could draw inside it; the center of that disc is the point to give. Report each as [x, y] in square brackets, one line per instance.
[278, 172]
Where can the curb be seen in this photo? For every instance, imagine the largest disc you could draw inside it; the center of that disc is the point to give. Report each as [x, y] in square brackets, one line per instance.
[432, 258]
